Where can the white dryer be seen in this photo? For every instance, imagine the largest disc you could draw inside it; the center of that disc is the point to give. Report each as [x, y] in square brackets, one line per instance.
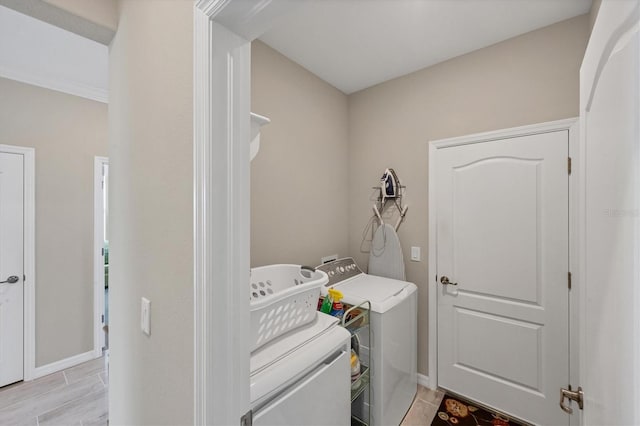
[393, 349]
[302, 377]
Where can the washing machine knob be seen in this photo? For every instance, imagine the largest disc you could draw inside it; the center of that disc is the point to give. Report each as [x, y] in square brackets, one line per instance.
[341, 269]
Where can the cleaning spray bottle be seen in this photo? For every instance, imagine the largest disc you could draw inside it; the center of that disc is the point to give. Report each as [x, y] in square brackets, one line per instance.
[337, 310]
[326, 304]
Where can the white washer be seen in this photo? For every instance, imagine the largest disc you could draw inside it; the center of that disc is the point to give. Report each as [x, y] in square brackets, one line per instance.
[303, 377]
[393, 349]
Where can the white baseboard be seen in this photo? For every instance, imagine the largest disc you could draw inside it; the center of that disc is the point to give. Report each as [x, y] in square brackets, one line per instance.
[63, 364]
[424, 381]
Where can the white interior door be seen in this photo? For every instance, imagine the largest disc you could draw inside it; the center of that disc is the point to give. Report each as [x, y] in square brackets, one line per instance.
[502, 238]
[11, 267]
[610, 189]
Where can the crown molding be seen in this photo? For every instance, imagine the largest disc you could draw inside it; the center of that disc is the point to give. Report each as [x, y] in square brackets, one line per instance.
[58, 84]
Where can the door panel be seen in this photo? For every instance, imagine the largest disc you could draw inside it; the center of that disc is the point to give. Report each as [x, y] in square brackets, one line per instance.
[502, 236]
[11, 263]
[479, 221]
[524, 345]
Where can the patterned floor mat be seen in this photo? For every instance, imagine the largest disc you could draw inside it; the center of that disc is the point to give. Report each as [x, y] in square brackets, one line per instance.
[455, 411]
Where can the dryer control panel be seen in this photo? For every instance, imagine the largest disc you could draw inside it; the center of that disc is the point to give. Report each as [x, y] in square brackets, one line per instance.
[340, 270]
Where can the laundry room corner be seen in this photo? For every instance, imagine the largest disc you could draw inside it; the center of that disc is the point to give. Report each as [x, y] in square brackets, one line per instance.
[299, 190]
[523, 80]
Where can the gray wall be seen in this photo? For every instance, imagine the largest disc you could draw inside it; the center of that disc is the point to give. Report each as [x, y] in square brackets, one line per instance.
[299, 187]
[66, 132]
[528, 79]
[151, 170]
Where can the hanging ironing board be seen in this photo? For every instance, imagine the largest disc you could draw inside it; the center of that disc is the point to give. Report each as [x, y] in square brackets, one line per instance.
[385, 256]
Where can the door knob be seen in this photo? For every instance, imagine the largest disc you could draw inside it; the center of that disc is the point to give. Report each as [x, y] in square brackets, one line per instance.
[11, 280]
[445, 280]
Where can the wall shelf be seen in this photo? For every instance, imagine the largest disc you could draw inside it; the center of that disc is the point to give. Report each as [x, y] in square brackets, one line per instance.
[257, 121]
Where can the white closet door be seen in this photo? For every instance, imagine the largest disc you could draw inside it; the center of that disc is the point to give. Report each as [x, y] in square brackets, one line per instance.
[11, 268]
[502, 237]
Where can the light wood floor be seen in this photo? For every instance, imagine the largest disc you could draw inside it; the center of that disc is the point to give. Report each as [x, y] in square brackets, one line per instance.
[76, 396]
[424, 407]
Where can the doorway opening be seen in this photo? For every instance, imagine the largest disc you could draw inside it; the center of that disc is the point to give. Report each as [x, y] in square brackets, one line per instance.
[101, 255]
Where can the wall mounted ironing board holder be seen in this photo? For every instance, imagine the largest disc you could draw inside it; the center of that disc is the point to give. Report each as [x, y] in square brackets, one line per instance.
[396, 197]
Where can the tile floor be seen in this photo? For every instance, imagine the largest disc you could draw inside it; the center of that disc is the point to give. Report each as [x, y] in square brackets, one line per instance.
[424, 407]
[76, 396]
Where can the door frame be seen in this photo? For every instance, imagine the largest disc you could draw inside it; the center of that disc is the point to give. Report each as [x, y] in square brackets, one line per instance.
[98, 257]
[570, 125]
[221, 219]
[29, 304]
[223, 31]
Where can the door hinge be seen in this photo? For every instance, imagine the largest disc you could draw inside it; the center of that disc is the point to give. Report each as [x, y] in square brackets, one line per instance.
[102, 319]
[247, 419]
[24, 278]
[577, 396]
[103, 251]
[569, 280]
[569, 165]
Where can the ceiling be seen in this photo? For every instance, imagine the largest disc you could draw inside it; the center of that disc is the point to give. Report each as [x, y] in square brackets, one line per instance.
[355, 44]
[38, 53]
[352, 44]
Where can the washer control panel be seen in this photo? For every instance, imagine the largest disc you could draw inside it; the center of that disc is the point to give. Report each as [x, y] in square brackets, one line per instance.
[340, 270]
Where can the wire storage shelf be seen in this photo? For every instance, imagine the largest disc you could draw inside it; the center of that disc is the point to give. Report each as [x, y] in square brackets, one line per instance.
[356, 320]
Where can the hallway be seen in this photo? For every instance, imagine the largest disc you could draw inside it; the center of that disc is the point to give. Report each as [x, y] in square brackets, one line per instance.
[76, 396]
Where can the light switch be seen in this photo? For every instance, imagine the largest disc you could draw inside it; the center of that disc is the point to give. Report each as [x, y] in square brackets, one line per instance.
[415, 254]
[145, 316]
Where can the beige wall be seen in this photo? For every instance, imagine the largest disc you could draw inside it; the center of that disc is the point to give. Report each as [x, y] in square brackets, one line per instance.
[528, 79]
[299, 199]
[66, 132]
[151, 171]
[593, 14]
[101, 12]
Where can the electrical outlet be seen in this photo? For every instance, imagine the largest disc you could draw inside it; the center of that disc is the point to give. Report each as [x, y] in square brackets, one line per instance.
[328, 259]
[145, 316]
[415, 254]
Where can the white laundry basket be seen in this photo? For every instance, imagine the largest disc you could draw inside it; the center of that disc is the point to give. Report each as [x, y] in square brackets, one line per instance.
[283, 297]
